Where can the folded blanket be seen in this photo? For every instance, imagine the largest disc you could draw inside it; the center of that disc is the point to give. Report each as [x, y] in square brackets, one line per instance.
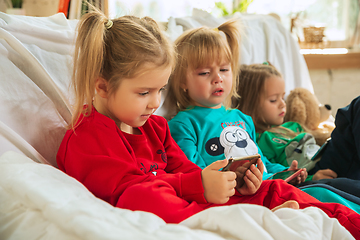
[39, 201]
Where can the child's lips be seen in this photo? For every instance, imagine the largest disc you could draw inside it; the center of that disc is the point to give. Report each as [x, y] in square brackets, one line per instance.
[146, 116]
[218, 91]
[282, 114]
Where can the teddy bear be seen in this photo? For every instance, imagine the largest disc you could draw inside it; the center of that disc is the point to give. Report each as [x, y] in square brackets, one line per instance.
[303, 107]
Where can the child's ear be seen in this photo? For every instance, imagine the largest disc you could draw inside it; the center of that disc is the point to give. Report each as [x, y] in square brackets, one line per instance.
[101, 86]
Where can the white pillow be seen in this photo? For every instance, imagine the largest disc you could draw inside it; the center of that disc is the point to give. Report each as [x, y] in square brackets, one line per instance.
[173, 31]
[199, 18]
[35, 65]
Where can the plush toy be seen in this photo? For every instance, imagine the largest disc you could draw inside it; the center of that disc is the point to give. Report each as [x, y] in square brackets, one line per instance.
[303, 107]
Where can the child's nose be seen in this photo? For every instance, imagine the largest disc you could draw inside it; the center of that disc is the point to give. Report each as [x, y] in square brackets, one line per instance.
[217, 79]
[282, 103]
[155, 101]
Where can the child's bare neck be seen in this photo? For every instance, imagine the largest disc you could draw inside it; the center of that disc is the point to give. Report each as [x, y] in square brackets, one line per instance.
[128, 129]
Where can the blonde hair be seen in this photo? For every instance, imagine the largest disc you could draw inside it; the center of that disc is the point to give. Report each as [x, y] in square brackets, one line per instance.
[251, 88]
[113, 52]
[196, 48]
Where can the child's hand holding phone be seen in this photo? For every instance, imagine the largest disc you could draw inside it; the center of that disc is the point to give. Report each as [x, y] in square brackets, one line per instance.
[252, 178]
[248, 176]
[301, 177]
[218, 186]
[292, 175]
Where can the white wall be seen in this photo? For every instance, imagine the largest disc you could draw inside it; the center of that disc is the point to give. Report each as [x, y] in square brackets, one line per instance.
[160, 10]
[336, 87]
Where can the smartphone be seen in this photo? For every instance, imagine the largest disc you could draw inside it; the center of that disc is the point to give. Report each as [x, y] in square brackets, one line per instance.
[286, 175]
[321, 150]
[242, 164]
[234, 163]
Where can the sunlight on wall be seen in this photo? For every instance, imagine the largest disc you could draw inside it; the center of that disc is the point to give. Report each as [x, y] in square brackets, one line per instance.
[279, 6]
[160, 10]
[338, 16]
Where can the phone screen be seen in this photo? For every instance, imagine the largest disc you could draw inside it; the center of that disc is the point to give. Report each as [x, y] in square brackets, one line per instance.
[234, 163]
[321, 150]
[286, 175]
[240, 166]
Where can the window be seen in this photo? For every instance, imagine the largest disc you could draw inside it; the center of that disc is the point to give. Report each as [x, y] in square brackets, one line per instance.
[338, 16]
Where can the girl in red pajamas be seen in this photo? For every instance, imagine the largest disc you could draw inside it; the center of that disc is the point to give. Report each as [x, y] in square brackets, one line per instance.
[125, 155]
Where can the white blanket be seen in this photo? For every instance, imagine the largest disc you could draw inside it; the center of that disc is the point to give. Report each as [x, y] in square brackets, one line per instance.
[39, 201]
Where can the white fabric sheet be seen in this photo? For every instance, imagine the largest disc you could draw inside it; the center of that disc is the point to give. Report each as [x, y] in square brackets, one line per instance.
[35, 70]
[39, 201]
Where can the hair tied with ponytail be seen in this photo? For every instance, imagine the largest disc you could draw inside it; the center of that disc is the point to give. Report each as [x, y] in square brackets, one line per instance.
[108, 24]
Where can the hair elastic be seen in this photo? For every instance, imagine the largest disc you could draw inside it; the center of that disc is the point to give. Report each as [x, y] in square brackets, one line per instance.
[216, 29]
[266, 63]
[108, 24]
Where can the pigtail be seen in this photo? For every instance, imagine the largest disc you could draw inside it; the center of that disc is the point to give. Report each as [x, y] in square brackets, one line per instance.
[233, 32]
[88, 59]
[113, 50]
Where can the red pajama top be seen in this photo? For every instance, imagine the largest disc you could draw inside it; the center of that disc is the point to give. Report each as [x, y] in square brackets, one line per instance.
[107, 160]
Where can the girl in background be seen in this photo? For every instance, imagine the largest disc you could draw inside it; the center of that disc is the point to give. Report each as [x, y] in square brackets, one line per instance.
[115, 146]
[262, 90]
[207, 130]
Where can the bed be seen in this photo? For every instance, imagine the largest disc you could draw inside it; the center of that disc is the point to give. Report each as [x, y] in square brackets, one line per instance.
[38, 201]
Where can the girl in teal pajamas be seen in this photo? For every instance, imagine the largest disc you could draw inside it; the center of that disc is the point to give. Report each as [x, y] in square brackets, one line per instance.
[205, 127]
[207, 130]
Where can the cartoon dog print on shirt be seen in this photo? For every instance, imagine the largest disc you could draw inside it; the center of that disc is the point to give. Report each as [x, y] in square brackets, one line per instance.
[237, 142]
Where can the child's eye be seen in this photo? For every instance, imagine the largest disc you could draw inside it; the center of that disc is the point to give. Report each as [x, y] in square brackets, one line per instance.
[204, 73]
[272, 100]
[143, 93]
[224, 69]
[162, 89]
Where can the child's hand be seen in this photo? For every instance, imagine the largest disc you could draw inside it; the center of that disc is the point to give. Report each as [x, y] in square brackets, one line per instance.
[324, 174]
[301, 178]
[253, 178]
[218, 186]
